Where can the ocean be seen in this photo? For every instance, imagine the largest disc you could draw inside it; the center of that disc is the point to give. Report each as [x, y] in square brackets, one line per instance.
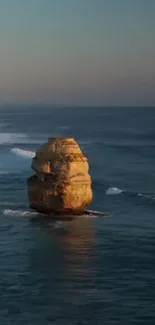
[91, 270]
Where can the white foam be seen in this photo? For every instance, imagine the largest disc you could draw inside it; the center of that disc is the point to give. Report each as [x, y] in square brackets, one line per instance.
[95, 213]
[149, 197]
[113, 191]
[27, 213]
[18, 213]
[92, 216]
[23, 153]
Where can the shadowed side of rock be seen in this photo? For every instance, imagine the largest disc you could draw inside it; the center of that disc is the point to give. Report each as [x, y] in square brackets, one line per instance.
[62, 183]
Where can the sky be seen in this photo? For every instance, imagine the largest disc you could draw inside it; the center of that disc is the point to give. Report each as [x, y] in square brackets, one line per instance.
[77, 52]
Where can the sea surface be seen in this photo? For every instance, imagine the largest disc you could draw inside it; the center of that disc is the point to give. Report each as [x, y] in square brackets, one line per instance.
[92, 270]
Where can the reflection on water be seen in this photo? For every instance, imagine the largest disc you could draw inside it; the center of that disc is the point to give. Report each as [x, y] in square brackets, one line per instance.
[64, 248]
[71, 240]
[77, 245]
[61, 266]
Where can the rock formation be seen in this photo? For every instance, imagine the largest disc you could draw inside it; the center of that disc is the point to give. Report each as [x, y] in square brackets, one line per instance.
[62, 183]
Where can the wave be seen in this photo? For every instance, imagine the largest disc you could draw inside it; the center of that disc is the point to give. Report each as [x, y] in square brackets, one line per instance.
[31, 214]
[117, 191]
[28, 213]
[9, 138]
[149, 197]
[23, 153]
[113, 191]
[18, 213]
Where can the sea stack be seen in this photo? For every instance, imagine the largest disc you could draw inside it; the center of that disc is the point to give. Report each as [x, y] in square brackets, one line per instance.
[61, 183]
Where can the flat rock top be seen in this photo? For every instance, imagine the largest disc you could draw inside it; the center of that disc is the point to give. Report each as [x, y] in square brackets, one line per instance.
[60, 148]
[58, 153]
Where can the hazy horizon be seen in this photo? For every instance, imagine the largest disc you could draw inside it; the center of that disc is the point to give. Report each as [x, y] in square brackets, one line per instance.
[77, 53]
[44, 104]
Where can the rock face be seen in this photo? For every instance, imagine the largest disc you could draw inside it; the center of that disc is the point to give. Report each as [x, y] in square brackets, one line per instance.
[62, 183]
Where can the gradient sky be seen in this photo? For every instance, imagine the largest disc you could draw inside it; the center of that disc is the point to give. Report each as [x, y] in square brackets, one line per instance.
[81, 52]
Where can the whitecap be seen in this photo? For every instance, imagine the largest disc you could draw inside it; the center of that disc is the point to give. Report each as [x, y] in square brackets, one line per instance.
[23, 153]
[113, 191]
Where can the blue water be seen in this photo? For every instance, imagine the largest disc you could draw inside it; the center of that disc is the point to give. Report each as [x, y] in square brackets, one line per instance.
[91, 270]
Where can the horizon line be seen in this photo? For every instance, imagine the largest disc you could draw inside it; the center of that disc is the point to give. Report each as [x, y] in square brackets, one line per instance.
[32, 104]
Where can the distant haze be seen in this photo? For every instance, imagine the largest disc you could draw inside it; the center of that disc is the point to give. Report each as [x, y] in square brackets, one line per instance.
[80, 52]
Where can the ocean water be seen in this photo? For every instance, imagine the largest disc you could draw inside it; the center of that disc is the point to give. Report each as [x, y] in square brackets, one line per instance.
[98, 270]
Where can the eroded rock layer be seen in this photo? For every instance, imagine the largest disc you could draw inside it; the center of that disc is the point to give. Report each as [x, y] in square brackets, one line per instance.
[61, 183]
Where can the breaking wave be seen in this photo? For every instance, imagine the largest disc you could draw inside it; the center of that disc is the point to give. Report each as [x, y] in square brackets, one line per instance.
[149, 197]
[113, 191]
[18, 213]
[23, 153]
[28, 213]
[117, 191]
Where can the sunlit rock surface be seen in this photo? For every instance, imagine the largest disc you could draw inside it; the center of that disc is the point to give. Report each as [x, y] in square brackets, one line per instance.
[61, 183]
